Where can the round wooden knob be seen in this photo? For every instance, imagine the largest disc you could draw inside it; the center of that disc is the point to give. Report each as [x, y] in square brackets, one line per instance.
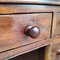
[32, 31]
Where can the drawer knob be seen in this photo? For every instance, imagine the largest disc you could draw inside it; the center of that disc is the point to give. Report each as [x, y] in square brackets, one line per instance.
[32, 31]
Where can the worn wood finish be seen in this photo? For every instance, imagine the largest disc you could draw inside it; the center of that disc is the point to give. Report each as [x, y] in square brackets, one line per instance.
[32, 2]
[13, 20]
[24, 49]
[12, 29]
[57, 25]
[54, 25]
[20, 8]
[55, 51]
[47, 52]
[37, 54]
[52, 51]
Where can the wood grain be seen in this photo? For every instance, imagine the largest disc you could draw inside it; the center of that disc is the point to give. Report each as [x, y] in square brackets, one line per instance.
[57, 30]
[13, 20]
[25, 49]
[20, 8]
[54, 25]
[31, 2]
[12, 29]
[55, 50]
[47, 52]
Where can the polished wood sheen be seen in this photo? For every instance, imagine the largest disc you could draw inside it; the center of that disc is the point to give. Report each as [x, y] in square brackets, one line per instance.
[15, 15]
[12, 29]
[51, 2]
[24, 8]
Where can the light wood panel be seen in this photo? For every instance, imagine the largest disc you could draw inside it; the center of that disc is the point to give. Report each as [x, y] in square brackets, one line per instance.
[56, 25]
[55, 51]
[48, 52]
[57, 32]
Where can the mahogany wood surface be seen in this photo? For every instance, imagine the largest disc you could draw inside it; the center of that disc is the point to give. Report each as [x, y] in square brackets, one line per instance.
[12, 29]
[13, 20]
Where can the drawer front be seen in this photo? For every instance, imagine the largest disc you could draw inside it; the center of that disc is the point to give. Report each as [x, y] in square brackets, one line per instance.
[55, 52]
[57, 29]
[12, 29]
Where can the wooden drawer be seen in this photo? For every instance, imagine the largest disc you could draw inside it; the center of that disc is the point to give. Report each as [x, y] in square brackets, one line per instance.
[57, 25]
[12, 29]
[55, 52]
